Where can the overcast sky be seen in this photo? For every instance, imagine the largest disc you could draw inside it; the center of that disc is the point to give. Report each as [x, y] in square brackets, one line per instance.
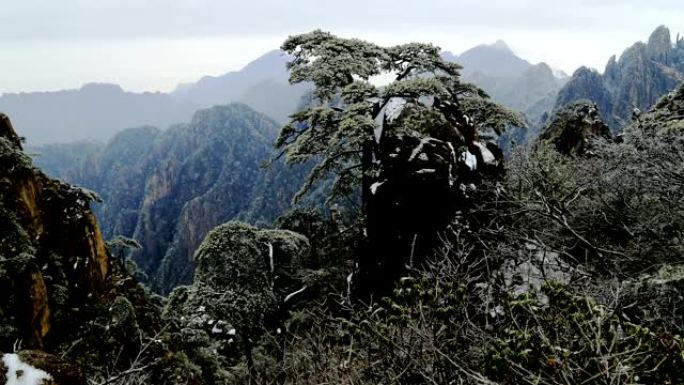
[152, 45]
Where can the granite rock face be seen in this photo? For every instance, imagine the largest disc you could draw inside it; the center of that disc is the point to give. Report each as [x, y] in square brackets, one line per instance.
[67, 307]
[642, 74]
[167, 189]
[198, 176]
[52, 250]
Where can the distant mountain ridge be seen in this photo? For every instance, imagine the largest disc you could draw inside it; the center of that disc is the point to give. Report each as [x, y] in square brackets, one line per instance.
[93, 112]
[262, 84]
[495, 60]
[643, 73]
[231, 85]
[98, 111]
[527, 88]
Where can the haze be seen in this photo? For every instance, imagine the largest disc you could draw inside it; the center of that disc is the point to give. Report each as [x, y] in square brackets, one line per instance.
[152, 45]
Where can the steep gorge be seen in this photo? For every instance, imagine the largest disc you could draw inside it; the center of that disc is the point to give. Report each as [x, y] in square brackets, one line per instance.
[69, 310]
[168, 189]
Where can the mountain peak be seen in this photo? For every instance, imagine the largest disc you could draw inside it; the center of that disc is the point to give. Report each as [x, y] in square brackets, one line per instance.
[661, 34]
[213, 90]
[543, 67]
[638, 78]
[559, 74]
[660, 41]
[584, 71]
[449, 56]
[271, 61]
[502, 46]
[493, 59]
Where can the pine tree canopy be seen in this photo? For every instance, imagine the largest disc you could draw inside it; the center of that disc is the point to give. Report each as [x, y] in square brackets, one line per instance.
[351, 113]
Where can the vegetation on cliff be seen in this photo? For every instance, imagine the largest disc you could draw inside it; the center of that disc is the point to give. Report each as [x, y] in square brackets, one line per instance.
[564, 265]
[568, 272]
[167, 189]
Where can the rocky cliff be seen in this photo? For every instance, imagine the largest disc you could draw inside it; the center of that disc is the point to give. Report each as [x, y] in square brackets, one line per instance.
[666, 118]
[642, 74]
[55, 272]
[76, 309]
[52, 253]
[572, 129]
[167, 189]
[118, 173]
[201, 175]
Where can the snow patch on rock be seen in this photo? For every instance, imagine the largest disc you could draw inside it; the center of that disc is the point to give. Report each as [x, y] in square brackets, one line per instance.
[20, 373]
[487, 155]
[470, 160]
[374, 187]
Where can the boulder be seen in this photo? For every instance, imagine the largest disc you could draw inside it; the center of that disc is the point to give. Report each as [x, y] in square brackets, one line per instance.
[246, 258]
[252, 272]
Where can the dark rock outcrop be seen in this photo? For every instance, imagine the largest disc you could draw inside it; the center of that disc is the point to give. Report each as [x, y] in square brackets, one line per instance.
[421, 186]
[574, 126]
[7, 131]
